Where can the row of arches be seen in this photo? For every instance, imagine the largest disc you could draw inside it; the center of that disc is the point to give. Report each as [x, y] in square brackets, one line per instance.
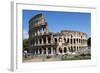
[68, 49]
[44, 51]
[39, 41]
[52, 51]
[71, 41]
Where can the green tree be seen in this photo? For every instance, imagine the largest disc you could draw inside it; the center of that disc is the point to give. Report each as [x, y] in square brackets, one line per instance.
[25, 43]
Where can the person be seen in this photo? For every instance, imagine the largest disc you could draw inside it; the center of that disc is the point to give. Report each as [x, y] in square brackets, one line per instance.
[25, 53]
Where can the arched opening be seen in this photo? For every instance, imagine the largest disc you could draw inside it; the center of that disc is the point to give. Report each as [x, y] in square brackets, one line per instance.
[33, 42]
[82, 41]
[74, 49]
[36, 51]
[43, 28]
[65, 49]
[71, 41]
[71, 50]
[60, 50]
[36, 41]
[77, 40]
[81, 36]
[44, 50]
[49, 40]
[59, 39]
[55, 40]
[54, 50]
[40, 50]
[42, 31]
[40, 40]
[71, 36]
[68, 40]
[74, 41]
[49, 50]
[64, 39]
[77, 48]
[44, 40]
[33, 51]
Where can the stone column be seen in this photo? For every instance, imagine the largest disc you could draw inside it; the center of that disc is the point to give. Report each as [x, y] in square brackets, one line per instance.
[42, 41]
[38, 42]
[46, 51]
[57, 50]
[72, 41]
[34, 51]
[45, 30]
[46, 40]
[35, 33]
[38, 51]
[77, 49]
[51, 39]
[42, 30]
[38, 31]
[69, 41]
[52, 51]
[42, 51]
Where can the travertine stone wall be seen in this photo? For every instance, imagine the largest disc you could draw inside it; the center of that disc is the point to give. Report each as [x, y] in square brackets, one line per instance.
[43, 42]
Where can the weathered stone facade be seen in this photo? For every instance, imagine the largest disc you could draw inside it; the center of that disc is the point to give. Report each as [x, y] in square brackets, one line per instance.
[43, 42]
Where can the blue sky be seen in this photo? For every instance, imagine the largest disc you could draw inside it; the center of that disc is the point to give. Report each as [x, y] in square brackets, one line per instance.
[58, 21]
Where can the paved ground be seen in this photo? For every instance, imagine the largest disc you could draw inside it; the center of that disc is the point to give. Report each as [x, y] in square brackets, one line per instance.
[55, 58]
[41, 59]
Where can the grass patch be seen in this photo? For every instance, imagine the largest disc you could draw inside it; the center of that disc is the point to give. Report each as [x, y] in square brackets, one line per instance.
[80, 57]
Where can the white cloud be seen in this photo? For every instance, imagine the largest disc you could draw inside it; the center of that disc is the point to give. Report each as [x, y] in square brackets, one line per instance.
[25, 34]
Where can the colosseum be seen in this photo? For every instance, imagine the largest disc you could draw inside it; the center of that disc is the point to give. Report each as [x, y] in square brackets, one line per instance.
[44, 42]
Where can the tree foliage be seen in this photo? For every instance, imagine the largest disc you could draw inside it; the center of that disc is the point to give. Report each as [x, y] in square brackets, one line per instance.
[25, 43]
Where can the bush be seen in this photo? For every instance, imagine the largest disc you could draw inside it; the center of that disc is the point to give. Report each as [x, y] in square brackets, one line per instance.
[82, 54]
[88, 54]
